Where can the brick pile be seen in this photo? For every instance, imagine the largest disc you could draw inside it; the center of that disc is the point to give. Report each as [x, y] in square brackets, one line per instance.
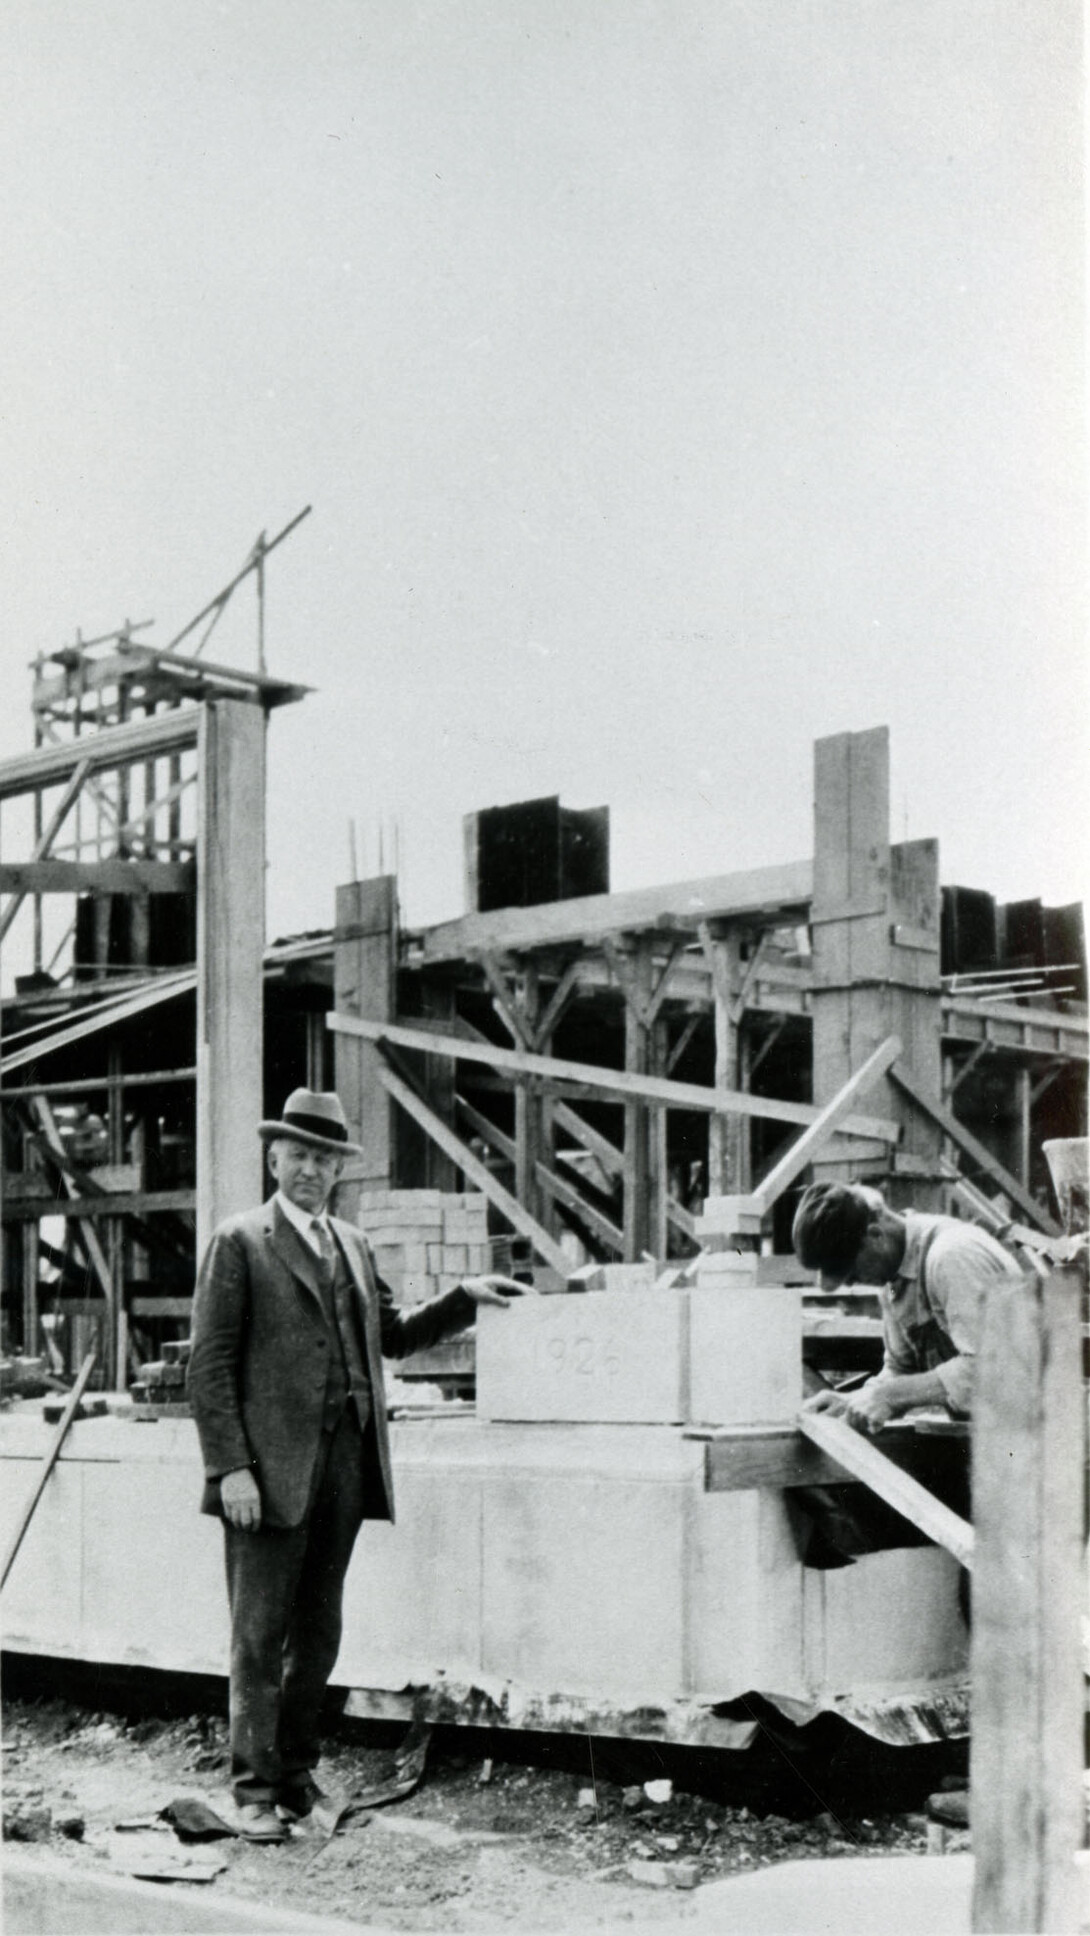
[161, 1385]
[426, 1241]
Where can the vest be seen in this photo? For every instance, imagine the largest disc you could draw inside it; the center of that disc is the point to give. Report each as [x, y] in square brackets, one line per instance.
[346, 1374]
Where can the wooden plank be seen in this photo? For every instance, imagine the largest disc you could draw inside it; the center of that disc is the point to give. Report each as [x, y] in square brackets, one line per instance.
[45, 841]
[364, 983]
[806, 1146]
[1028, 1587]
[105, 1015]
[772, 890]
[97, 876]
[612, 1159]
[52, 1455]
[863, 1459]
[171, 731]
[161, 1307]
[99, 1085]
[616, 1083]
[230, 948]
[472, 1167]
[981, 1156]
[22, 1209]
[749, 1458]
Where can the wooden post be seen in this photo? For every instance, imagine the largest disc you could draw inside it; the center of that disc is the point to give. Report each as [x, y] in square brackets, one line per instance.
[230, 948]
[365, 984]
[528, 1152]
[728, 1136]
[875, 924]
[1029, 1454]
[637, 1153]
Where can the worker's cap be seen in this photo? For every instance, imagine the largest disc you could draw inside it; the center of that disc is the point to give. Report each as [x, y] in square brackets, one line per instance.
[830, 1224]
[315, 1117]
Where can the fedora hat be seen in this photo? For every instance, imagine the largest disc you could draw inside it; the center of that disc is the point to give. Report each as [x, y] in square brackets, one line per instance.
[315, 1117]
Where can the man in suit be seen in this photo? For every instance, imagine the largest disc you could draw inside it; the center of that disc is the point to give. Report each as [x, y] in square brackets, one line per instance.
[290, 1326]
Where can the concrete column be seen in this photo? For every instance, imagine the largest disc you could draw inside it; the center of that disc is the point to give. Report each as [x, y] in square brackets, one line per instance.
[230, 948]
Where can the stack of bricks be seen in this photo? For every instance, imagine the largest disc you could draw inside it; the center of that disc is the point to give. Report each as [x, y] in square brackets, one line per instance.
[161, 1385]
[426, 1241]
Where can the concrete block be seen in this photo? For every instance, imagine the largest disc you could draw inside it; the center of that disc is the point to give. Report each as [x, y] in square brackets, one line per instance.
[745, 1355]
[729, 1217]
[619, 1357]
[434, 1253]
[455, 1257]
[480, 1257]
[723, 1269]
[898, 1616]
[416, 1257]
[584, 1581]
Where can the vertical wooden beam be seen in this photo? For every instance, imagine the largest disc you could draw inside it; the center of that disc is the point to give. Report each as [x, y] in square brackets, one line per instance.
[230, 947]
[1024, 1099]
[365, 984]
[438, 1002]
[727, 1135]
[528, 1142]
[115, 1240]
[1028, 1586]
[637, 1154]
[875, 925]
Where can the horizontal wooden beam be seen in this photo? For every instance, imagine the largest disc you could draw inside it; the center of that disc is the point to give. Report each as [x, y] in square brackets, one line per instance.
[112, 1203]
[862, 1459]
[973, 1148]
[111, 876]
[749, 1457]
[775, 891]
[622, 1083]
[138, 739]
[471, 1166]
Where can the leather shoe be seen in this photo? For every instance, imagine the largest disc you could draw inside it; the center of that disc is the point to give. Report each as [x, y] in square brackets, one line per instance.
[258, 1822]
[294, 1804]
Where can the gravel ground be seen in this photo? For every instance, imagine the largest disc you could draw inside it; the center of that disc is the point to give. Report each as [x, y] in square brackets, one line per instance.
[476, 1847]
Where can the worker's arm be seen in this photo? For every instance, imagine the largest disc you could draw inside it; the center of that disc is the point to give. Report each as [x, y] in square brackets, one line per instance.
[881, 1398]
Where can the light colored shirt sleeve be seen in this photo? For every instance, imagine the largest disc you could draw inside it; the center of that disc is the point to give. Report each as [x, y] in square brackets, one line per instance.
[962, 1267]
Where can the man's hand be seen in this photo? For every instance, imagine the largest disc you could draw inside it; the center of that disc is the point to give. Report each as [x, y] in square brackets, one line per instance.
[869, 1408]
[241, 1499]
[494, 1289]
[827, 1401]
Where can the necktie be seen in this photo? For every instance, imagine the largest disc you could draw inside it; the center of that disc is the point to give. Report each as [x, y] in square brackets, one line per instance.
[325, 1243]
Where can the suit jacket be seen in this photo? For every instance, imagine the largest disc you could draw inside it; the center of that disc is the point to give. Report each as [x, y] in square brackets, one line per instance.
[257, 1368]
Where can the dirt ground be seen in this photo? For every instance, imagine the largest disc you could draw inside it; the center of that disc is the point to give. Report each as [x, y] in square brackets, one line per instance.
[480, 1845]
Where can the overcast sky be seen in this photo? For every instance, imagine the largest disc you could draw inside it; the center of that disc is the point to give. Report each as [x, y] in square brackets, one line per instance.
[672, 383]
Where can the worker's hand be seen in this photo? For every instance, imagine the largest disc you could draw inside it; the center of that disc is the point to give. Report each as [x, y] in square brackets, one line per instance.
[827, 1401]
[494, 1289]
[869, 1408]
[241, 1500]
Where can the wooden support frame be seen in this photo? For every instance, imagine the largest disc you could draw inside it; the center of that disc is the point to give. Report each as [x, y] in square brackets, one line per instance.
[45, 841]
[973, 1148]
[549, 1181]
[472, 1167]
[806, 1147]
[615, 1084]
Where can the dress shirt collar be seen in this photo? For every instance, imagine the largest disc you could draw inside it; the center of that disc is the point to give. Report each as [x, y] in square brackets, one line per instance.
[915, 1231]
[303, 1222]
